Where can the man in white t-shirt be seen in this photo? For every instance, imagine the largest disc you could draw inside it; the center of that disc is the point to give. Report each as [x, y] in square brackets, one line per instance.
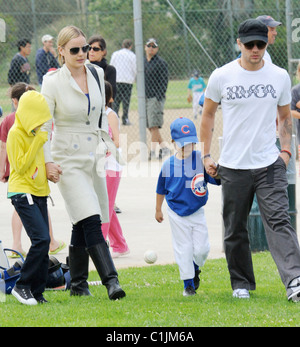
[124, 60]
[251, 91]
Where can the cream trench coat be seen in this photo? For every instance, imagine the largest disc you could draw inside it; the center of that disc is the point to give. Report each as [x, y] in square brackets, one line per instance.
[74, 142]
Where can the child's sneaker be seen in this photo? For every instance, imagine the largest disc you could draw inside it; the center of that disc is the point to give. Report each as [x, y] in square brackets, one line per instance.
[293, 290]
[189, 291]
[24, 296]
[41, 300]
[241, 293]
[197, 279]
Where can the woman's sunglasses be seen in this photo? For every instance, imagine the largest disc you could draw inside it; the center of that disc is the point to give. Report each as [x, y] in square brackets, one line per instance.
[75, 50]
[258, 44]
[96, 49]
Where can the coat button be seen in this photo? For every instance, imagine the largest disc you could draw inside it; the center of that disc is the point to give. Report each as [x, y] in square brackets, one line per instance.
[93, 108]
[87, 122]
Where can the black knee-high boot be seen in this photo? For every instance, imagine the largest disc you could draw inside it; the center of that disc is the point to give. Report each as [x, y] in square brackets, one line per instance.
[79, 270]
[105, 267]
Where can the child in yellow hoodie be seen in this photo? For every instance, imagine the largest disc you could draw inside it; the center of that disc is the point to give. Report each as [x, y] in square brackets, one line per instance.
[28, 190]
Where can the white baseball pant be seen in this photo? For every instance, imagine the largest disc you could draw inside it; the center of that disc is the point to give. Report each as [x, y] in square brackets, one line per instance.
[190, 241]
[196, 99]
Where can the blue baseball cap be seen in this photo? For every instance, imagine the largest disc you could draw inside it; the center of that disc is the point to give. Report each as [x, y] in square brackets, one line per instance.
[183, 132]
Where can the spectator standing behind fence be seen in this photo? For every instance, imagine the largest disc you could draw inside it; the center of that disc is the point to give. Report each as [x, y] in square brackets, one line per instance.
[45, 58]
[251, 90]
[272, 24]
[295, 106]
[124, 60]
[97, 56]
[77, 104]
[19, 70]
[196, 88]
[156, 83]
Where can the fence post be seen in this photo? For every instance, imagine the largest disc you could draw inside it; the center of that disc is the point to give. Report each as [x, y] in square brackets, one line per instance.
[186, 42]
[139, 50]
[289, 14]
[34, 24]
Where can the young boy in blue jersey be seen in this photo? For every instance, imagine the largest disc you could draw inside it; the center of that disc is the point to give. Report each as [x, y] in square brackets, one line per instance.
[183, 182]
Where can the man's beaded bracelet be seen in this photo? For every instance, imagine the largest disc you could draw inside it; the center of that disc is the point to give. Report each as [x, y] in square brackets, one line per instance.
[286, 151]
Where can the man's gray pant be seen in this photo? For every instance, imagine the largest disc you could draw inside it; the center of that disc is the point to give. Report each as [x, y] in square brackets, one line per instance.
[270, 186]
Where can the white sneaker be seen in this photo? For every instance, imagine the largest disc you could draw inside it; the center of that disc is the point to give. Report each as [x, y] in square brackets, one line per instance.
[119, 254]
[24, 296]
[241, 293]
[293, 290]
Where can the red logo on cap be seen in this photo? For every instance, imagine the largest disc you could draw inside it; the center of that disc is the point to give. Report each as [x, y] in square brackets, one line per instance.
[185, 131]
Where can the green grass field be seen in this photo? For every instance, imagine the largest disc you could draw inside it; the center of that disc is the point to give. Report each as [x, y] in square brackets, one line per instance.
[154, 299]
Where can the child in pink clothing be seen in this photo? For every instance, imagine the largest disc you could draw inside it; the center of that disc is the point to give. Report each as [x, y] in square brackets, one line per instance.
[113, 229]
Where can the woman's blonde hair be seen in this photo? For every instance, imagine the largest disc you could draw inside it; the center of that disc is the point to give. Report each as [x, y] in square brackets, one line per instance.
[65, 35]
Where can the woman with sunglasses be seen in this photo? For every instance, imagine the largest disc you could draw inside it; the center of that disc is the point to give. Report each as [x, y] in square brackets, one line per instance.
[74, 161]
[97, 56]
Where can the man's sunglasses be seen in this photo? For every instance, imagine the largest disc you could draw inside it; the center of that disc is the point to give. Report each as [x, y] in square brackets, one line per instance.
[96, 49]
[75, 50]
[150, 45]
[258, 44]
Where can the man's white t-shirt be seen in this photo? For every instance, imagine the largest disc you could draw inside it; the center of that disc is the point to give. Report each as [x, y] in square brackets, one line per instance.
[267, 57]
[249, 102]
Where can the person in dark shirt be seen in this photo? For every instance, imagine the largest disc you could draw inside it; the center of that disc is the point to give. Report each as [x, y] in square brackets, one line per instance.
[156, 83]
[19, 70]
[97, 56]
[45, 58]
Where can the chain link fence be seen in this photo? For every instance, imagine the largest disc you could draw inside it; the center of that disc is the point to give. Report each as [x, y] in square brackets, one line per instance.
[192, 35]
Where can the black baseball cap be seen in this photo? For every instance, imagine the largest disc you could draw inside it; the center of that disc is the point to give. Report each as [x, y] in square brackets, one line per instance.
[253, 30]
[269, 21]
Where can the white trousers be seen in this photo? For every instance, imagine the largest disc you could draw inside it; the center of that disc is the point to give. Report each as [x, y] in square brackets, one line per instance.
[190, 241]
[196, 106]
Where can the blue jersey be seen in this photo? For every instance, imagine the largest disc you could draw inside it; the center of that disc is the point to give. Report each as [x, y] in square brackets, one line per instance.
[184, 184]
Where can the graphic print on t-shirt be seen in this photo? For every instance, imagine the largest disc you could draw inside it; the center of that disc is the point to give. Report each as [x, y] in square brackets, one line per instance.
[198, 185]
[259, 91]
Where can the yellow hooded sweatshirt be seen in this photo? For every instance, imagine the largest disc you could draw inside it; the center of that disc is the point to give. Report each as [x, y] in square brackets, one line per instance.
[25, 146]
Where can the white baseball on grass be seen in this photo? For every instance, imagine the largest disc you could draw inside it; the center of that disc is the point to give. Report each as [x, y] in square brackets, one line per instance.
[150, 257]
